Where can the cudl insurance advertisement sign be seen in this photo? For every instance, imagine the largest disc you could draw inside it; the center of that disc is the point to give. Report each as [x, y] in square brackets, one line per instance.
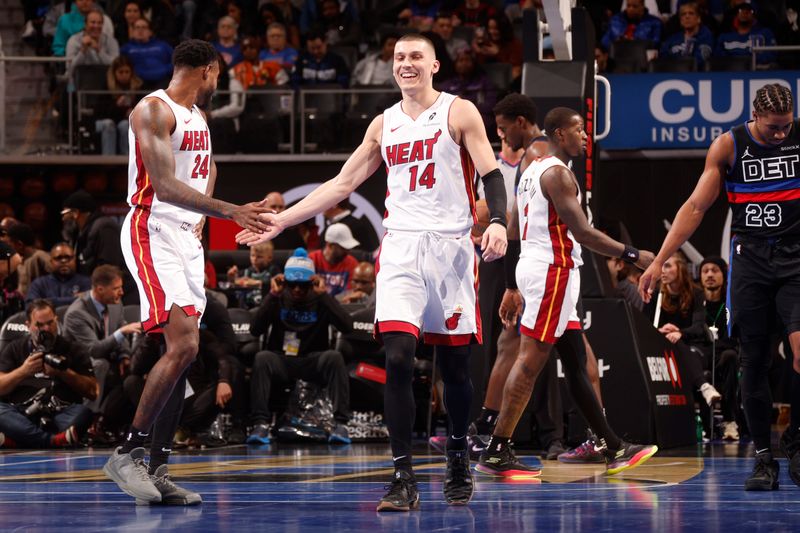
[686, 110]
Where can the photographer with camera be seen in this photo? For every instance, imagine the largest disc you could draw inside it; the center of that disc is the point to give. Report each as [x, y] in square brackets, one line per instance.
[43, 381]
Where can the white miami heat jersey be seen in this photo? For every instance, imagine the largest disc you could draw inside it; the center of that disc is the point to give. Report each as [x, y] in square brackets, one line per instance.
[429, 176]
[545, 237]
[191, 147]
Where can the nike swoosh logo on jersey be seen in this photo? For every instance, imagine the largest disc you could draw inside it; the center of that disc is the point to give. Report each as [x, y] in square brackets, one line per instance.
[187, 121]
[397, 128]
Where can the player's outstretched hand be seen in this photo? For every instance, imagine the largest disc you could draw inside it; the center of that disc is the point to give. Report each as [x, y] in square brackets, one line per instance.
[646, 257]
[248, 216]
[273, 228]
[647, 283]
[494, 242]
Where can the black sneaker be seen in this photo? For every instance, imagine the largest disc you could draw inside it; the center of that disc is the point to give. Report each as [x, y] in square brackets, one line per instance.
[555, 449]
[458, 487]
[627, 456]
[505, 464]
[765, 473]
[790, 446]
[402, 493]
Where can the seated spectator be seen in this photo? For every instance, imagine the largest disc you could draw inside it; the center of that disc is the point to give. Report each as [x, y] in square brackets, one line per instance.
[277, 48]
[254, 72]
[123, 29]
[44, 376]
[95, 238]
[682, 315]
[339, 26]
[625, 281]
[363, 283]
[115, 108]
[746, 32]
[333, 263]
[226, 108]
[713, 274]
[91, 46]
[297, 314]
[361, 229]
[312, 12]
[471, 83]
[289, 17]
[11, 301]
[376, 67]
[496, 43]
[317, 65]
[474, 13]
[443, 27]
[63, 284]
[163, 21]
[419, 15]
[151, 57]
[707, 18]
[633, 24]
[35, 262]
[290, 238]
[71, 23]
[95, 322]
[227, 43]
[695, 40]
[787, 33]
[258, 275]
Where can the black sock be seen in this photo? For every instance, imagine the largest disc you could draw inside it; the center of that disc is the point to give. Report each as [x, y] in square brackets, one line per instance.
[165, 425]
[486, 421]
[498, 444]
[573, 357]
[453, 363]
[135, 439]
[456, 443]
[794, 402]
[399, 397]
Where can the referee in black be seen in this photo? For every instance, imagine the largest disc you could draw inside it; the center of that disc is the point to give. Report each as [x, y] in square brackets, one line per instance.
[759, 164]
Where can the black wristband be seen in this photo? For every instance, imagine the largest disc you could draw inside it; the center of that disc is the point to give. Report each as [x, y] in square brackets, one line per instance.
[495, 192]
[510, 263]
[630, 254]
[501, 221]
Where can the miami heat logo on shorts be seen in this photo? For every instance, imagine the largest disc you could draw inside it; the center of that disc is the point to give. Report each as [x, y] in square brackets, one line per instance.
[451, 322]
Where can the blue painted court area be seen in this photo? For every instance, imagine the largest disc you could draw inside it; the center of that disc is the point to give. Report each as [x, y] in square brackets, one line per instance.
[336, 489]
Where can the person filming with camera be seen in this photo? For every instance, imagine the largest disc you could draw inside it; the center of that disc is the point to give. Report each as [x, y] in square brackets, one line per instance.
[43, 381]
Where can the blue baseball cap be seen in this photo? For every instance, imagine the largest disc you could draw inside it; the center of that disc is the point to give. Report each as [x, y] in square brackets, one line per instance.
[299, 267]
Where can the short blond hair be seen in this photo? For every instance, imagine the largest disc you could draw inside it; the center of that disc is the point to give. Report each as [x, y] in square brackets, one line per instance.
[264, 247]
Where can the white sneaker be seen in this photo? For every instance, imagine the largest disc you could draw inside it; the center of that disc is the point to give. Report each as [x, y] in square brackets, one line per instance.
[710, 394]
[730, 431]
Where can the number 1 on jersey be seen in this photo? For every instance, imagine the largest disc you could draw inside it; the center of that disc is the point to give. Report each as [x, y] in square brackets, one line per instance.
[425, 180]
[200, 167]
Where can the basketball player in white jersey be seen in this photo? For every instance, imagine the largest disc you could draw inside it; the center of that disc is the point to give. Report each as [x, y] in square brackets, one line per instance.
[552, 228]
[431, 144]
[171, 178]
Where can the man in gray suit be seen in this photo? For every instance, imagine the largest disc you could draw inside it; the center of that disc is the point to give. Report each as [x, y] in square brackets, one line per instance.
[95, 321]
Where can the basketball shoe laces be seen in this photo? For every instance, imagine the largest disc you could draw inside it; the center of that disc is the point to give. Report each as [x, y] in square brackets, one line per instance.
[140, 467]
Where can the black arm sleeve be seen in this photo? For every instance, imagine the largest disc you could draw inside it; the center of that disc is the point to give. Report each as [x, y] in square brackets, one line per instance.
[510, 263]
[496, 199]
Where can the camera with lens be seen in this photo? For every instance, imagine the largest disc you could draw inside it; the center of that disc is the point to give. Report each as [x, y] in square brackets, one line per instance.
[45, 342]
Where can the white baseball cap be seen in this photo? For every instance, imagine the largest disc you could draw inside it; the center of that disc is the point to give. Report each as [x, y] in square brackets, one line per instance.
[340, 234]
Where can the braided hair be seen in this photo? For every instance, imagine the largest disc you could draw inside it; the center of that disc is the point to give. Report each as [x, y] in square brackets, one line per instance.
[773, 98]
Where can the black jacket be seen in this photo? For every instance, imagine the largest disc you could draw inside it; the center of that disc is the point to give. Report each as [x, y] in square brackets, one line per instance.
[310, 320]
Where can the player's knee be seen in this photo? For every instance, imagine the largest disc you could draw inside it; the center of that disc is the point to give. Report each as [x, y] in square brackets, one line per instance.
[186, 351]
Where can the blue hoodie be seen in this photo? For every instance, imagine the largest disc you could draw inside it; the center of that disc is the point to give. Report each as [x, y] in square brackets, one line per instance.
[152, 61]
[701, 46]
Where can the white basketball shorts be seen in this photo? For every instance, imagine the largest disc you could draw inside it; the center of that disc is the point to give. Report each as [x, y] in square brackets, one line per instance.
[551, 294]
[166, 260]
[426, 283]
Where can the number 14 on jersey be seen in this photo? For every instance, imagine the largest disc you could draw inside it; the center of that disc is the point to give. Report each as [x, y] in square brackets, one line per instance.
[425, 179]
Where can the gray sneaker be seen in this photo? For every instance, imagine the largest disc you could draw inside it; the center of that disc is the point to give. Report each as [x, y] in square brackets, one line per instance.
[129, 471]
[171, 494]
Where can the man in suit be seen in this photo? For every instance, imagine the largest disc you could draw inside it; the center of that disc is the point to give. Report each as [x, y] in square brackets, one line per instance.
[95, 321]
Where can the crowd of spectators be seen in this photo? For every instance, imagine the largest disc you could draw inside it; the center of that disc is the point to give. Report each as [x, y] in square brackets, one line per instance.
[717, 35]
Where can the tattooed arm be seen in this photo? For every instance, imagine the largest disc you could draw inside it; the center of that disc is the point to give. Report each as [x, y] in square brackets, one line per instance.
[152, 122]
